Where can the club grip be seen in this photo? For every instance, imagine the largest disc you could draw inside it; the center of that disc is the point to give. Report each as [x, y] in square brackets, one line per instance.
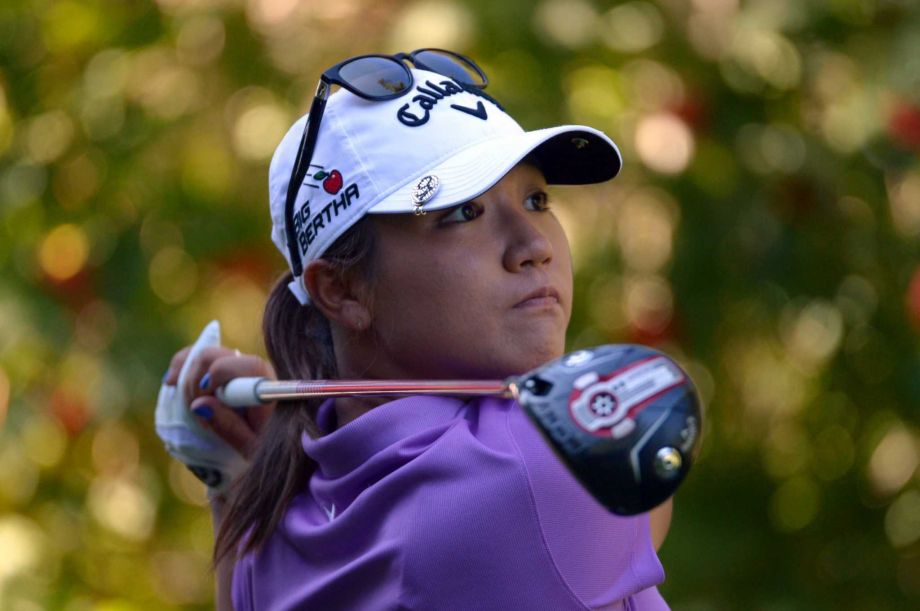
[240, 392]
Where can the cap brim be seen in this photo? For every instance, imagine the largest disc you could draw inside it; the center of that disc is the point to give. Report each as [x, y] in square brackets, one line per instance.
[567, 155]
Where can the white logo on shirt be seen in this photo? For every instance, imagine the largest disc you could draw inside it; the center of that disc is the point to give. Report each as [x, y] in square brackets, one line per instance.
[330, 513]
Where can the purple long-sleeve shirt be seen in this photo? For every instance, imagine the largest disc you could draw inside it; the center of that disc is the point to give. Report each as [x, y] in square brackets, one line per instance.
[436, 503]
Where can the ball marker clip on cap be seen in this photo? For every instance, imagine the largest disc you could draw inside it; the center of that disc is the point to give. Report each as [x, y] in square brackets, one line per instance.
[424, 190]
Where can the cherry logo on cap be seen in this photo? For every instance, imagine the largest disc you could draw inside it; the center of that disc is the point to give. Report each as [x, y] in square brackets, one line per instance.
[332, 180]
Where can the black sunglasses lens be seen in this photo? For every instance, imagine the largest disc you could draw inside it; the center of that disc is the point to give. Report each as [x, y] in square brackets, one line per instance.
[449, 65]
[376, 76]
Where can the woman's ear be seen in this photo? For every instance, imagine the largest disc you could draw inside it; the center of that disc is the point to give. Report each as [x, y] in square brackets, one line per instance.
[342, 298]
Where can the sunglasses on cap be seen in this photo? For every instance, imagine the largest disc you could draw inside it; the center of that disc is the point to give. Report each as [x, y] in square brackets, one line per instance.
[375, 78]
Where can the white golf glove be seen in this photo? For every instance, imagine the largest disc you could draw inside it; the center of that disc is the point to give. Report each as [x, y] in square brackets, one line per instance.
[210, 458]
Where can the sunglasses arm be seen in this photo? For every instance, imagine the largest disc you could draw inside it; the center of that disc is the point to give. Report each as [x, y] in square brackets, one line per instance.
[302, 166]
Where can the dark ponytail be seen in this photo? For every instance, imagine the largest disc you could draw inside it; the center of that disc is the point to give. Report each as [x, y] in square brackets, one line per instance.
[299, 344]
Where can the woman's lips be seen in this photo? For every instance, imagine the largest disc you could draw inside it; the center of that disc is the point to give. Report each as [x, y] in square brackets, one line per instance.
[543, 297]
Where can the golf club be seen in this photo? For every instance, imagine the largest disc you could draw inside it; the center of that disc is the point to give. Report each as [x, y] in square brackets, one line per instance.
[624, 419]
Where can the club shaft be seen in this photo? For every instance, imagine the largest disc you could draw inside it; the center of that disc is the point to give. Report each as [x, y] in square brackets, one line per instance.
[248, 391]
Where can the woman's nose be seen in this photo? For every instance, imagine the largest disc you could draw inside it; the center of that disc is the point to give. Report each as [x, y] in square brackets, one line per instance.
[528, 244]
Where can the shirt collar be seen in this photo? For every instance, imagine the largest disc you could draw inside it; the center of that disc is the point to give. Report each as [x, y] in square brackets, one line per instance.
[342, 449]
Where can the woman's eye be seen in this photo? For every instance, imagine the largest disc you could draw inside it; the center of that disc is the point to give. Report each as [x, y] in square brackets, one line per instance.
[538, 201]
[462, 213]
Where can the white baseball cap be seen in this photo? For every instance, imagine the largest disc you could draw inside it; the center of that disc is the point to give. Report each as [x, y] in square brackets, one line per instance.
[437, 146]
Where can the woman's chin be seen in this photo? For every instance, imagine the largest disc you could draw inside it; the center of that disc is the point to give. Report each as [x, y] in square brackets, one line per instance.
[533, 358]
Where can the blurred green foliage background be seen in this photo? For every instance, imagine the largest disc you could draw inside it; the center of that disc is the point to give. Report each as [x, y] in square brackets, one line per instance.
[764, 230]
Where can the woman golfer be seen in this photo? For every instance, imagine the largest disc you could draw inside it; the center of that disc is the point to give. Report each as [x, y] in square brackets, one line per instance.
[413, 213]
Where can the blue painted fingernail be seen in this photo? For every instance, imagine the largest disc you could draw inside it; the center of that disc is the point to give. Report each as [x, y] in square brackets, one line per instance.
[204, 381]
[204, 412]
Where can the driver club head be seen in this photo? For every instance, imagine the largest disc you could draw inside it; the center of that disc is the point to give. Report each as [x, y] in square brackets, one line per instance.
[625, 420]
